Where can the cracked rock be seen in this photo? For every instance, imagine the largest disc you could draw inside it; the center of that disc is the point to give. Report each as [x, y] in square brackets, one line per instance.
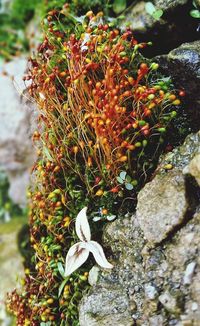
[153, 285]
[162, 206]
[105, 307]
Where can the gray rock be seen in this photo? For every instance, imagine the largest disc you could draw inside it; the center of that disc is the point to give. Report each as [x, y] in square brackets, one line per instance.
[181, 156]
[184, 61]
[194, 168]
[162, 205]
[141, 21]
[169, 4]
[17, 124]
[93, 275]
[183, 64]
[150, 280]
[138, 19]
[105, 306]
[168, 301]
[150, 291]
[156, 321]
[166, 33]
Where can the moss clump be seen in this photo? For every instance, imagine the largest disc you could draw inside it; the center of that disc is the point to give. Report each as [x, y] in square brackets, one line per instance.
[104, 115]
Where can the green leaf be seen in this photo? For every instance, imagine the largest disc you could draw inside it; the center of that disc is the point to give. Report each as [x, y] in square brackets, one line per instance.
[194, 4]
[150, 8]
[120, 180]
[61, 287]
[119, 6]
[195, 13]
[157, 14]
[123, 175]
[47, 154]
[61, 269]
[128, 178]
[129, 186]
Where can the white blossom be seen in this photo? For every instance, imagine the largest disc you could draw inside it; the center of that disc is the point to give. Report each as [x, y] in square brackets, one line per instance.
[79, 252]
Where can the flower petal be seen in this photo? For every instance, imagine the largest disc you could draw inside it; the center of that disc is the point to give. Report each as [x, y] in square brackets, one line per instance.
[98, 253]
[82, 226]
[76, 256]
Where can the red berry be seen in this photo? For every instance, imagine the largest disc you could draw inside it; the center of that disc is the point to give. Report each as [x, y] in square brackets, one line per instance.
[182, 93]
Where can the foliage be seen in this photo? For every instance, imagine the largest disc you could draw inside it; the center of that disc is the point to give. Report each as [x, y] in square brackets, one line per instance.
[7, 208]
[119, 6]
[13, 40]
[104, 112]
[156, 13]
[195, 13]
[12, 25]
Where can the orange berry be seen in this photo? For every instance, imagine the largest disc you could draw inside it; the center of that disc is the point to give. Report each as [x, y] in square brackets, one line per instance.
[123, 158]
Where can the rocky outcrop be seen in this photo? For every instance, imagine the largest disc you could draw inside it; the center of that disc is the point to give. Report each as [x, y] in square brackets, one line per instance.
[183, 64]
[17, 124]
[163, 204]
[155, 253]
[166, 207]
[175, 26]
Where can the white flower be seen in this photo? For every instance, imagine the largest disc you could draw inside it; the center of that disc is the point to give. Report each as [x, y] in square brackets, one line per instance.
[79, 252]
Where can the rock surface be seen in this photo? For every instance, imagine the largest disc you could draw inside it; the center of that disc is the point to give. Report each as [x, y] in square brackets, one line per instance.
[17, 123]
[194, 168]
[174, 27]
[162, 205]
[183, 64]
[157, 280]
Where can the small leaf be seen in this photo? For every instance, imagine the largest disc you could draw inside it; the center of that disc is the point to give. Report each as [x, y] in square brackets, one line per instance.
[194, 4]
[195, 13]
[120, 180]
[157, 14]
[61, 287]
[48, 323]
[47, 154]
[128, 178]
[150, 8]
[123, 175]
[129, 186]
[96, 218]
[111, 217]
[119, 6]
[61, 269]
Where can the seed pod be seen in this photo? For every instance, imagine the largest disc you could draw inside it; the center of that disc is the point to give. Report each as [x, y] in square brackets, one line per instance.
[99, 192]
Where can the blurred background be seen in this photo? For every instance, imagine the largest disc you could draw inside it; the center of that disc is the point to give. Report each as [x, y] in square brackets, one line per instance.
[17, 122]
